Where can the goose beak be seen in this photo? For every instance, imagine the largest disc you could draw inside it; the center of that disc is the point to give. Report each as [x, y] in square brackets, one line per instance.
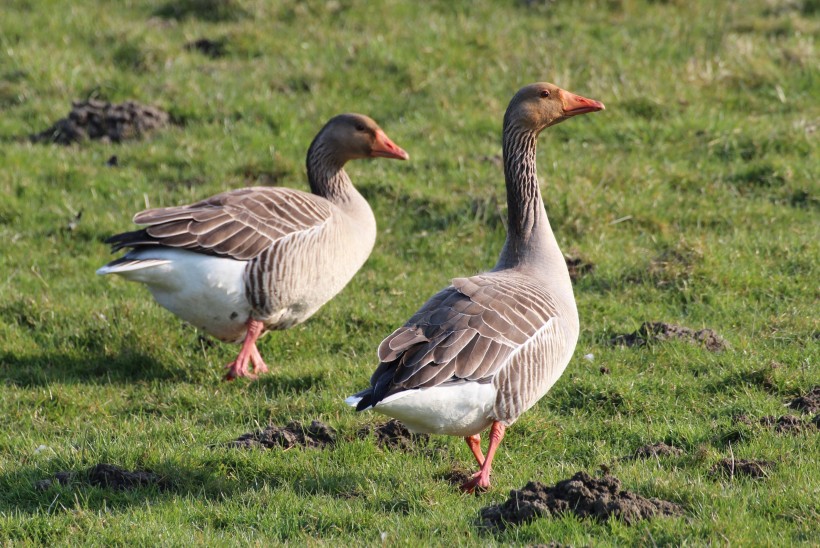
[383, 147]
[575, 104]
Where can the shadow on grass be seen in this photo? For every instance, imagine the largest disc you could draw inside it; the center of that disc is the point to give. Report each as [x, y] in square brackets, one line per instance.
[20, 492]
[36, 491]
[93, 366]
[282, 382]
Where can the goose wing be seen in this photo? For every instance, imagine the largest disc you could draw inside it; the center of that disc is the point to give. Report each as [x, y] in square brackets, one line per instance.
[470, 331]
[239, 224]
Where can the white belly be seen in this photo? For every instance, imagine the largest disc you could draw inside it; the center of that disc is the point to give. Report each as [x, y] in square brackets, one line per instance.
[462, 409]
[205, 291]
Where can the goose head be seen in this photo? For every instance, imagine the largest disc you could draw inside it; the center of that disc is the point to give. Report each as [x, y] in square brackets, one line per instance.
[354, 136]
[541, 105]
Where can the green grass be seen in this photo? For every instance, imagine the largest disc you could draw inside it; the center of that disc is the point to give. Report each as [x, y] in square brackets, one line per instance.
[695, 194]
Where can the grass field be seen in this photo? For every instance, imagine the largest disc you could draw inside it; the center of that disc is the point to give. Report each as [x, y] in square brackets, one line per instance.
[695, 195]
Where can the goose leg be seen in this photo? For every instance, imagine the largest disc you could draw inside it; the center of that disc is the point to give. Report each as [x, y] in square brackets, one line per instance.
[248, 353]
[481, 479]
[259, 365]
[474, 443]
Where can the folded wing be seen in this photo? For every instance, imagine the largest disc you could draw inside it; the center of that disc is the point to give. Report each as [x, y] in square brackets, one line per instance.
[239, 224]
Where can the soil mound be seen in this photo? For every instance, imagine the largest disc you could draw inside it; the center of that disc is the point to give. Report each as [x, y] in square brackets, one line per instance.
[210, 48]
[659, 449]
[93, 119]
[393, 435]
[578, 266]
[457, 476]
[315, 435]
[808, 403]
[107, 476]
[743, 467]
[787, 424]
[581, 494]
[654, 332]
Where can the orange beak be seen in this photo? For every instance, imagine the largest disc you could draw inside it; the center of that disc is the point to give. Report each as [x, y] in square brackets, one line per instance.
[383, 147]
[575, 104]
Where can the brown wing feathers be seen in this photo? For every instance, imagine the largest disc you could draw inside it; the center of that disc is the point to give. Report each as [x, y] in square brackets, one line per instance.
[467, 331]
[239, 224]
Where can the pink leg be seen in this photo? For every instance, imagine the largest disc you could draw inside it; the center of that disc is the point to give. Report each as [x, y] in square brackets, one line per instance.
[481, 479]
[259, 365]
[248, 353]
[474, 443]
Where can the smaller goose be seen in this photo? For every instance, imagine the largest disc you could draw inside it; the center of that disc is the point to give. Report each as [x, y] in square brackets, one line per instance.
[484, 350]
[248, 261]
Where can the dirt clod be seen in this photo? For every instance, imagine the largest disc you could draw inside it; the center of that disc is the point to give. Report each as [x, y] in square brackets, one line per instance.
[393, 435]
[581, 494]
[754, 468]
[742, 418]
[315, 435]
[652, 332]
[211, 48]
[94, 119]
[787, 424]
[578, 266]
[808, 403]
[455, 476]
[659, 449]
[106, 476]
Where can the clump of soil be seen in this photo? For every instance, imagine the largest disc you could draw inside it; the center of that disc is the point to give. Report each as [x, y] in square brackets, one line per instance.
[659, 449]
[787, 424]
[94, 119]
[393, 435]
[652, 332]
[742, 418]
[315, 435]
[211, 48]
[808, 403]
[578, 266]
[106, 476]
[755, 468]
[456, 476]
[581, 494]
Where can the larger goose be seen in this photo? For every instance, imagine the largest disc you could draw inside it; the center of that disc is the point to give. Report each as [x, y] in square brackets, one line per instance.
[256, 259]
[484, 350]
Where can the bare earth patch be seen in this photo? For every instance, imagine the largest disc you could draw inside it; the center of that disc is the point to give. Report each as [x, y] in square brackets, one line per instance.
[106, 476]
[808, 403]
[659, 449]
[585, 496]
[316, 435]
[210, 48]
[457, 476]
[578, 266]
[753, 468]
[742, 418]
[393, 435]
[93, 119]
[787, 424]
[653, 332]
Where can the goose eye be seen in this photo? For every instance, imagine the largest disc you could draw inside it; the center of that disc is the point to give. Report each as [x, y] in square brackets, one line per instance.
[545, 93]
[359, 127]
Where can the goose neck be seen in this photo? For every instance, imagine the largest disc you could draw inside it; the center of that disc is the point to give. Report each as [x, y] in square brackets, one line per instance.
[529, 236]
[326, 174]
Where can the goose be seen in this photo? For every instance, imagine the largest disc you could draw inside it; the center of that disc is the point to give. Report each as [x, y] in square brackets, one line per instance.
[252, 260]
[482, 351]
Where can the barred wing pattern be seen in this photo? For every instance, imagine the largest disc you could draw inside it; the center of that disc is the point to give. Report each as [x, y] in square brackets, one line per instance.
[498, 327]
[239, 224]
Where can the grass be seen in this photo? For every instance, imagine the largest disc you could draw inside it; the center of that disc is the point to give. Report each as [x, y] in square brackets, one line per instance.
[694, 194]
